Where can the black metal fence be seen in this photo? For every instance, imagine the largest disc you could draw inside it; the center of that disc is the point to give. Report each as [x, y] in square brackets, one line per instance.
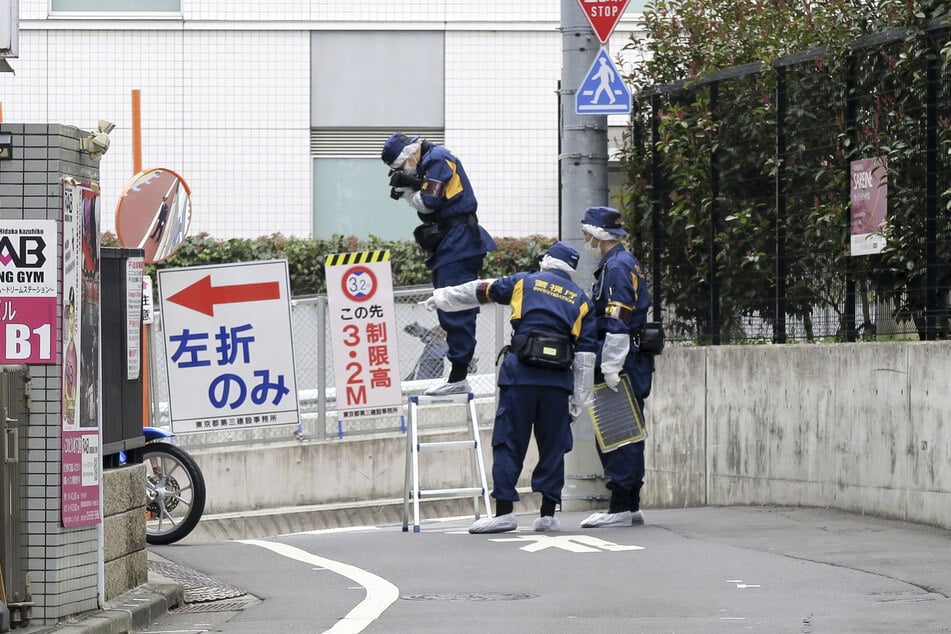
[739, 195]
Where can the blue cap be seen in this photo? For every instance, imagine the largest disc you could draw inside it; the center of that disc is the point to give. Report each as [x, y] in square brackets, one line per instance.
[564, 252]
[394, 146]
[606, 218]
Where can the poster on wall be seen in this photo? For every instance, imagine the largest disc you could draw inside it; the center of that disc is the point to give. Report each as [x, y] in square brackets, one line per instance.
[869, 197]
[81, 460]
[29, 280]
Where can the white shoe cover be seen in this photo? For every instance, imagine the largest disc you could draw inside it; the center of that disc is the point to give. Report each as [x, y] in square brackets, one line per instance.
[546, 524]
[607, 520]
[497, 524]
[458, 387]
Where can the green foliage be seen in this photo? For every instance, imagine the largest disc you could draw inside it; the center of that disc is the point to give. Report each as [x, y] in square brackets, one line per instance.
[305, 256]
[714, 186]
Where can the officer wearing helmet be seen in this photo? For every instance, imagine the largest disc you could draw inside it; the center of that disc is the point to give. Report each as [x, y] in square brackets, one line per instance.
[621, 302]
[432, 181]
[546, 378]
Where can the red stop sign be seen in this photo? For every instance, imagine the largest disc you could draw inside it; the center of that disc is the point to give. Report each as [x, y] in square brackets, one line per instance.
[603, 15]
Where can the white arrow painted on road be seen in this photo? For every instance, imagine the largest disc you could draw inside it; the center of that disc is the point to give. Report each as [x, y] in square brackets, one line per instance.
[571, 543]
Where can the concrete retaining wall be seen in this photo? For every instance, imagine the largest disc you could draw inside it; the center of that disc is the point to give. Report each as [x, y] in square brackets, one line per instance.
[853, 426]
[123, 511]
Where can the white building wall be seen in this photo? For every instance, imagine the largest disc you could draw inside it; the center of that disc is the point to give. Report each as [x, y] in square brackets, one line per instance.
[226, 101]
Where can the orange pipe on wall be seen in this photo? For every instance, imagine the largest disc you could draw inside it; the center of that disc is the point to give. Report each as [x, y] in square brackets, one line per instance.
[146, 331]
[136, 132]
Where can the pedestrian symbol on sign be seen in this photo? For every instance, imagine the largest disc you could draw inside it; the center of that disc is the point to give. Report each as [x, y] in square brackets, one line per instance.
[603, 90]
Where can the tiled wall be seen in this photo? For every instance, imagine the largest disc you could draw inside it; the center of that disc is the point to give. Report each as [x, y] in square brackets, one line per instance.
[226, 103]
[63, 563]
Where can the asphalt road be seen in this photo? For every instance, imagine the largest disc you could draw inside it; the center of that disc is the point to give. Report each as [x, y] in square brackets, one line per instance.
[710, 570]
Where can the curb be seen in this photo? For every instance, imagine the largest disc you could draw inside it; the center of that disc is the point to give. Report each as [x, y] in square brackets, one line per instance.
[130, 612]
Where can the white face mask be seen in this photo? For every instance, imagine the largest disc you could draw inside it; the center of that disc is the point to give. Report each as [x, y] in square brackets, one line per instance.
[592, 249]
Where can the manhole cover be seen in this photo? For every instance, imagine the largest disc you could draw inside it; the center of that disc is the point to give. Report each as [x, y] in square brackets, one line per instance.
[197, 586]
[470, 596]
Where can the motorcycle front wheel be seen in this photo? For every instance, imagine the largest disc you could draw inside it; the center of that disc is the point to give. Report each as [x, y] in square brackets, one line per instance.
[175, 493]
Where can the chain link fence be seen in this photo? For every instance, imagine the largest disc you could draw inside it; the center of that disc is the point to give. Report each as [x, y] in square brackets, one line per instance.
[422, 364]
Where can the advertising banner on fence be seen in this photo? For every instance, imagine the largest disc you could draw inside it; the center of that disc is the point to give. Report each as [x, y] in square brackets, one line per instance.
[228, 346]
[363, 331]
[869, 197]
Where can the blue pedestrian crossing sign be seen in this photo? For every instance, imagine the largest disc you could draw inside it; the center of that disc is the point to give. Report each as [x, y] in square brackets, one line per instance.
[603, 90]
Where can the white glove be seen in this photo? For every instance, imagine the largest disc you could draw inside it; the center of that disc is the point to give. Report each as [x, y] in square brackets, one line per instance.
[575, 409]
[429, 303]
[612, 380]
[460, 297]
[415, 200]
[583, 369]
[406, 194]
[614, 352]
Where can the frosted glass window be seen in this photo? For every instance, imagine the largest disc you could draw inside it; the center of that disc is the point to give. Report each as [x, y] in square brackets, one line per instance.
[352, 198]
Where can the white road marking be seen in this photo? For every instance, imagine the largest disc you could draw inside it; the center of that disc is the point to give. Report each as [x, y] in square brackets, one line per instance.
[380, 592]
[571, 543]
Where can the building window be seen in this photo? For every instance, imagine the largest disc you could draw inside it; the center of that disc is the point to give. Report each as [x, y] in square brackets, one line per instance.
[365, 86]
[116, 6]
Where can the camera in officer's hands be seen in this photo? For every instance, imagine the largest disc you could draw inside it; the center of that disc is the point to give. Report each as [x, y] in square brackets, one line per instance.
[395, 194]
[399, 178]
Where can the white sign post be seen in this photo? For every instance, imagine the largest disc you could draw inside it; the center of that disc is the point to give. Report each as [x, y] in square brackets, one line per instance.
[228, 346]
[363, 331]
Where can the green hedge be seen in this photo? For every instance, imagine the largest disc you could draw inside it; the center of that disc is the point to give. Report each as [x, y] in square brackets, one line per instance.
[305, 256]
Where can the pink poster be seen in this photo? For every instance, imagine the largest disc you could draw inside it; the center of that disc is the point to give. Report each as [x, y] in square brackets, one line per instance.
[81, 456]
[29, 281]
[869, 198]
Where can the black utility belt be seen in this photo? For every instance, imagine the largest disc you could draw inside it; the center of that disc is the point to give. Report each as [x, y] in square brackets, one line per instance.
[545, 350]
[429, 234]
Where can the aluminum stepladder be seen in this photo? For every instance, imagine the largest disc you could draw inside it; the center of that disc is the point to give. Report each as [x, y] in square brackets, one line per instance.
[414, 447]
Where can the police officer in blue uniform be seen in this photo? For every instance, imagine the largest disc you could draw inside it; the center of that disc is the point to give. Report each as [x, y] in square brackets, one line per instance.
[546, 378]
[432, 181]
[621, 300]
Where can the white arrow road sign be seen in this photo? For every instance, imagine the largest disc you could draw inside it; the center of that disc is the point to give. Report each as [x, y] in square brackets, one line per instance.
[571, 543]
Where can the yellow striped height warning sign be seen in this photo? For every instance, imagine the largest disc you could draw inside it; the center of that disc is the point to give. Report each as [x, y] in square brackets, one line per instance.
[364, 257]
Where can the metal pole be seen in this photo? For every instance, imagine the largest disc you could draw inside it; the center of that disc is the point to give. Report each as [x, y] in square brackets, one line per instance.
[583, 162]
[779, 324]
[583, 172]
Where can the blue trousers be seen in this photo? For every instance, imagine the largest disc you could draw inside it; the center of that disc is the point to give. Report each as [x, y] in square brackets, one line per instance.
[522, 410]
[460, 326]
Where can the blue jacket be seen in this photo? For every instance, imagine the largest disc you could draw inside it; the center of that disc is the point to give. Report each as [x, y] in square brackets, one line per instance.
[621, 302]
[544, 302]
[620, 293]
[447, 191]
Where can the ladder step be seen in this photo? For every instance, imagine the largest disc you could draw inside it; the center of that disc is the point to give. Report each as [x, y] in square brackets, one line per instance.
[448, 399]
[460, 492]
[448, 445]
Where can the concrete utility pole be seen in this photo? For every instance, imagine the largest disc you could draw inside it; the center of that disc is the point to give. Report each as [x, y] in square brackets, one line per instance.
[584, 183]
